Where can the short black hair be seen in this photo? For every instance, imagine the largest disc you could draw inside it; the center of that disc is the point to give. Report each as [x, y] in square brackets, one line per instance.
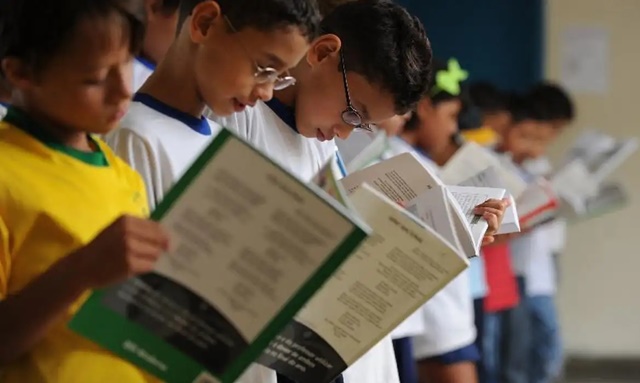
[384, 43]
[470, 116]
[327, 6]
[488, 98]
[170, 6]
[525, 107]
[556, 100]
[265, 15]
[35, 30]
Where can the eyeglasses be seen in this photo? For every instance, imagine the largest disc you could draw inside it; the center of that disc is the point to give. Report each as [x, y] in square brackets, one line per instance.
[262, 74]
[351, 116]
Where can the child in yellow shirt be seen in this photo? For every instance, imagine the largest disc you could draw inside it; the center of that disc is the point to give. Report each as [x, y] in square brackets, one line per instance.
[69, 208]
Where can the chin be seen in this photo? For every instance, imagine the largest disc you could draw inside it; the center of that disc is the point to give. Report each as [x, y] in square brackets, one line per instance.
[104, 129]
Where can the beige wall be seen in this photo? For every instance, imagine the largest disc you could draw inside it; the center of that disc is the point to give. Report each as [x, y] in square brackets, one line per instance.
[600, 295]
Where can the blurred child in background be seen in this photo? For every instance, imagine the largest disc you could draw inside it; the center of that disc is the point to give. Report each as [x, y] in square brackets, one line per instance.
[538, 254]
[525, 139]
[492, 106]
[162, 24]
[446, 352]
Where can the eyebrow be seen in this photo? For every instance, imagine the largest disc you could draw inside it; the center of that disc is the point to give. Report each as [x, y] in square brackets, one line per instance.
[277, 61]
[362, 108]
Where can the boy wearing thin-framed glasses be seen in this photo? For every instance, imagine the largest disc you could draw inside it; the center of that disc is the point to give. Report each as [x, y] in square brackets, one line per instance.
[371, 62]
[228, 55]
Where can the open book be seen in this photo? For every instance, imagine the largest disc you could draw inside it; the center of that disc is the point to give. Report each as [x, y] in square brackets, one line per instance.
[405, 179]
[251, 246]
[533, 201]
[602, 154]
[362, 149]
[394, 272]
[580, 182]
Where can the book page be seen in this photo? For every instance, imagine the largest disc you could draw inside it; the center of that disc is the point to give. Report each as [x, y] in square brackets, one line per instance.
[537, 204]
[465, 199]
[401, 178]
[355, 144]
[611, 197]
[394, 272]
[602, 165]
[250, 245]
[573, 183]
[472, 159]
[489, 178]
[601, 153]
[363, 149]
[433, 209]
[328, 180]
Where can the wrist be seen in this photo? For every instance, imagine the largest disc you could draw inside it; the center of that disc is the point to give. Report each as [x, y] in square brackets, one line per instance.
[71, 271]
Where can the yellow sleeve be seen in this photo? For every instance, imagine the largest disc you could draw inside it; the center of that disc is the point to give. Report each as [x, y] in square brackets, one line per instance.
[5, 259]
[141, 188]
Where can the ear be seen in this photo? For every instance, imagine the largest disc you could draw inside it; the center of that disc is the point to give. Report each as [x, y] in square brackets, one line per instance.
[323, 48]
[17, 74]
[205, 17]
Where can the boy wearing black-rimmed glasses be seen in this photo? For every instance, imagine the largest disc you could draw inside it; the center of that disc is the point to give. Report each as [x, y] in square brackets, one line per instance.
[371, 62]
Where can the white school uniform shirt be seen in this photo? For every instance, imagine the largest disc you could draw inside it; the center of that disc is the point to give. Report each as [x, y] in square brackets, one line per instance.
[142, 69]
[541, 166]
[161, 143]
[448, 316]
[272, 133]
[532, 253]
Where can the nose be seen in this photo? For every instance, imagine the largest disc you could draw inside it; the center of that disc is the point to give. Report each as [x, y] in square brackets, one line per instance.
[122, 84]
[264, 92]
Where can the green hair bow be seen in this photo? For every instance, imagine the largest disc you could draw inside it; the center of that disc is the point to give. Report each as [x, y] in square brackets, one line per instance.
[449, 80]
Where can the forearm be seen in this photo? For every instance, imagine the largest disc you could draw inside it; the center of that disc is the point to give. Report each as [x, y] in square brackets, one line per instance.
[26, 317]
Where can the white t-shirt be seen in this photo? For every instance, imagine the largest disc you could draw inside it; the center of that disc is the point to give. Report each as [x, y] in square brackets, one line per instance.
[532, 253]
[304, 157]
[3, 110]
[142, 69]
[532, 257]
[448, 316]
[161, 143]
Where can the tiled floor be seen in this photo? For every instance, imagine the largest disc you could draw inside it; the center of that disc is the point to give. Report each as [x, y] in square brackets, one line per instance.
[601, 381]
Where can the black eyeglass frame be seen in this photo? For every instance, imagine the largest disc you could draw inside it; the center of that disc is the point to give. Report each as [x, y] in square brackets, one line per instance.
[350, 115]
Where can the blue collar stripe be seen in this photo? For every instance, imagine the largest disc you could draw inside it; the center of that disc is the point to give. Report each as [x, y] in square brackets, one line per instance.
[343, 169]
[146, 62]
[198, 125]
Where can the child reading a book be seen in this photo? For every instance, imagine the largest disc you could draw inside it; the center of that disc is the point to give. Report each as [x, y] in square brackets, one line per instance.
[449, 353]
[228, 55]
[162, 20]
[224, 58]
[540, 270]
[526, 139]
[71, 212]
[371, 62]
[494, 109]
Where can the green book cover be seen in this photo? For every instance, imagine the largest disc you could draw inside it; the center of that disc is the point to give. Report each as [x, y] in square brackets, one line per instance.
[251, 244]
